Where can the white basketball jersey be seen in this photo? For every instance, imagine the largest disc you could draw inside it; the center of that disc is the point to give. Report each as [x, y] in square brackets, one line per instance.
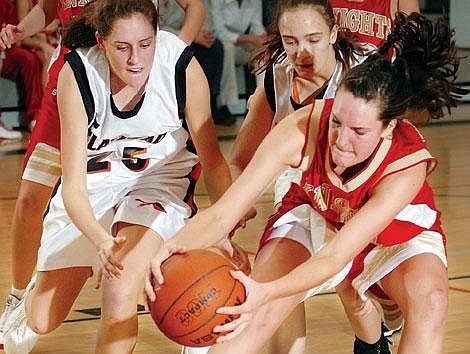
[157, 115]
[283, 77]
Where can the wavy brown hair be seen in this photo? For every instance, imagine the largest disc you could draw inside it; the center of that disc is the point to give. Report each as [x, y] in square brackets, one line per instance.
[99, 15]
[422, 75]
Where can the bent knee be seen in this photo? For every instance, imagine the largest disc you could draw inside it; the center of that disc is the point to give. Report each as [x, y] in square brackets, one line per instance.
[43, 324]
[431, 306]
[119, 306]
[29, 204]
[351, 300]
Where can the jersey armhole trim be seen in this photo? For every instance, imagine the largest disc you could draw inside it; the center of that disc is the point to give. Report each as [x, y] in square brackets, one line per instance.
[81, 77]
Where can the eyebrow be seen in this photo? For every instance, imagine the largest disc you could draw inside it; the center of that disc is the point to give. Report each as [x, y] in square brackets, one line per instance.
[334, 117]
[141, 40]
[307, 35]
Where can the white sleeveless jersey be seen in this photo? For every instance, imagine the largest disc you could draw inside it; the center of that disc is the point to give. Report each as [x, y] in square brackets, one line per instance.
[142, 167]
[158, 114]
[283, 77]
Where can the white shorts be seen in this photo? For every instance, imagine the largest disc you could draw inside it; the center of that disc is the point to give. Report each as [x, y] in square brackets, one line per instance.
[283, 182]
[303, 224]
[382, 260]
[43, 166]
[149, 200]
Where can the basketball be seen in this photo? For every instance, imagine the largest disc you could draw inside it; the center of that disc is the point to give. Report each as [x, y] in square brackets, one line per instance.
[197, 283]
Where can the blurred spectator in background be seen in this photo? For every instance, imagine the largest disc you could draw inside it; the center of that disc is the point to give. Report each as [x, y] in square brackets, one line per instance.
[239, 25]
[43, 43]
[268, 11]
[20, 65]
[207, 49]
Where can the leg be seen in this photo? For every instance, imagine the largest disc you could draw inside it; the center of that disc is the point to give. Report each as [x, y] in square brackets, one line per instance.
[274, 260]
[52, 297]
[44, 308]
[117, 332]
[363, 315]
[27, 228]
[419, 286]
[291, 335]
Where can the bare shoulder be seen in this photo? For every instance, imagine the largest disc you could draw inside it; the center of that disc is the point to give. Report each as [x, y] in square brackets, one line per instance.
[296, 121]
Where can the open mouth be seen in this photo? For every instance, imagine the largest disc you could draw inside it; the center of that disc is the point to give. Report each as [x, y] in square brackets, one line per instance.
[135, 70]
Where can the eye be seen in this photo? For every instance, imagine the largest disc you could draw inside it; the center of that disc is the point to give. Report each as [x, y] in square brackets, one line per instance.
[335, 122]
[288, 41]
[122, 48]
[145, 45]
[360, 132]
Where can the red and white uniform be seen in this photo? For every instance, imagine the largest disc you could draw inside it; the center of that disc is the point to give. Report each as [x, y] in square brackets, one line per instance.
[370, 21]
[415, 229]
[42, 162]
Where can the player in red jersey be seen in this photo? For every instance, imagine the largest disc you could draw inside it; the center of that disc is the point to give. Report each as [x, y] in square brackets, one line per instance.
[365, 168]
[42, 161]
[371, 21]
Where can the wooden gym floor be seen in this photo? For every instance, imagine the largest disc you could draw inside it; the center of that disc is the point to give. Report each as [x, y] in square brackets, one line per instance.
[328, 330]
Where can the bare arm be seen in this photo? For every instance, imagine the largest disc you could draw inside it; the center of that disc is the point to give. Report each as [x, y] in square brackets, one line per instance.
[195, 12]
[39, 16]
[215, 169]
[256, 126]
[74, 127]
[22, 7]
[409, 6]
[281, 149]
[73, 122]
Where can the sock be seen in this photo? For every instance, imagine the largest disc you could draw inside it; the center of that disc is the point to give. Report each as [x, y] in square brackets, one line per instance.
[379, 347]
[17, 292]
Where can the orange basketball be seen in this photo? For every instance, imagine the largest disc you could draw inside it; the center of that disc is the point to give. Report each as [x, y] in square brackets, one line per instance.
[196, 284]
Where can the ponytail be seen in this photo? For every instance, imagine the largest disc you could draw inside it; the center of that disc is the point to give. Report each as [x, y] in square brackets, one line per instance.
[422, 75]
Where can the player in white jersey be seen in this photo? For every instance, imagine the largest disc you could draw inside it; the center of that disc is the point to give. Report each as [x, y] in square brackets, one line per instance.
[304, 59]
[134, 110]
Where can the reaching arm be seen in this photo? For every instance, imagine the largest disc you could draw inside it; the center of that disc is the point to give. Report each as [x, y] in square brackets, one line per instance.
[256, 126]
[74, 127]
[281, 149]
[22, 8]
[195, 12]
[215, 169]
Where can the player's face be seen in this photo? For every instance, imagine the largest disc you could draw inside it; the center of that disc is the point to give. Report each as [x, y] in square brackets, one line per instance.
[308, 42]
[130, 48]
[355, 129]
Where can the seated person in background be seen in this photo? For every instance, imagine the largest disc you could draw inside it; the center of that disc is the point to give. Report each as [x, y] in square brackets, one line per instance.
[43, 43]
[207, 49]
[20, 65]
[238, 24]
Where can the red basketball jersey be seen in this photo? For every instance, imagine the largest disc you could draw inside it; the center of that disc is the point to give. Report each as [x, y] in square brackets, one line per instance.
[337, 200]
[67, 9]
[369, 20]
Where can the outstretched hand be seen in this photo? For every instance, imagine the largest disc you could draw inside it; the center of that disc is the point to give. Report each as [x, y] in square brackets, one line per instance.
[110, 266]
[256, 296]
[236, 253]
[155, 271]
